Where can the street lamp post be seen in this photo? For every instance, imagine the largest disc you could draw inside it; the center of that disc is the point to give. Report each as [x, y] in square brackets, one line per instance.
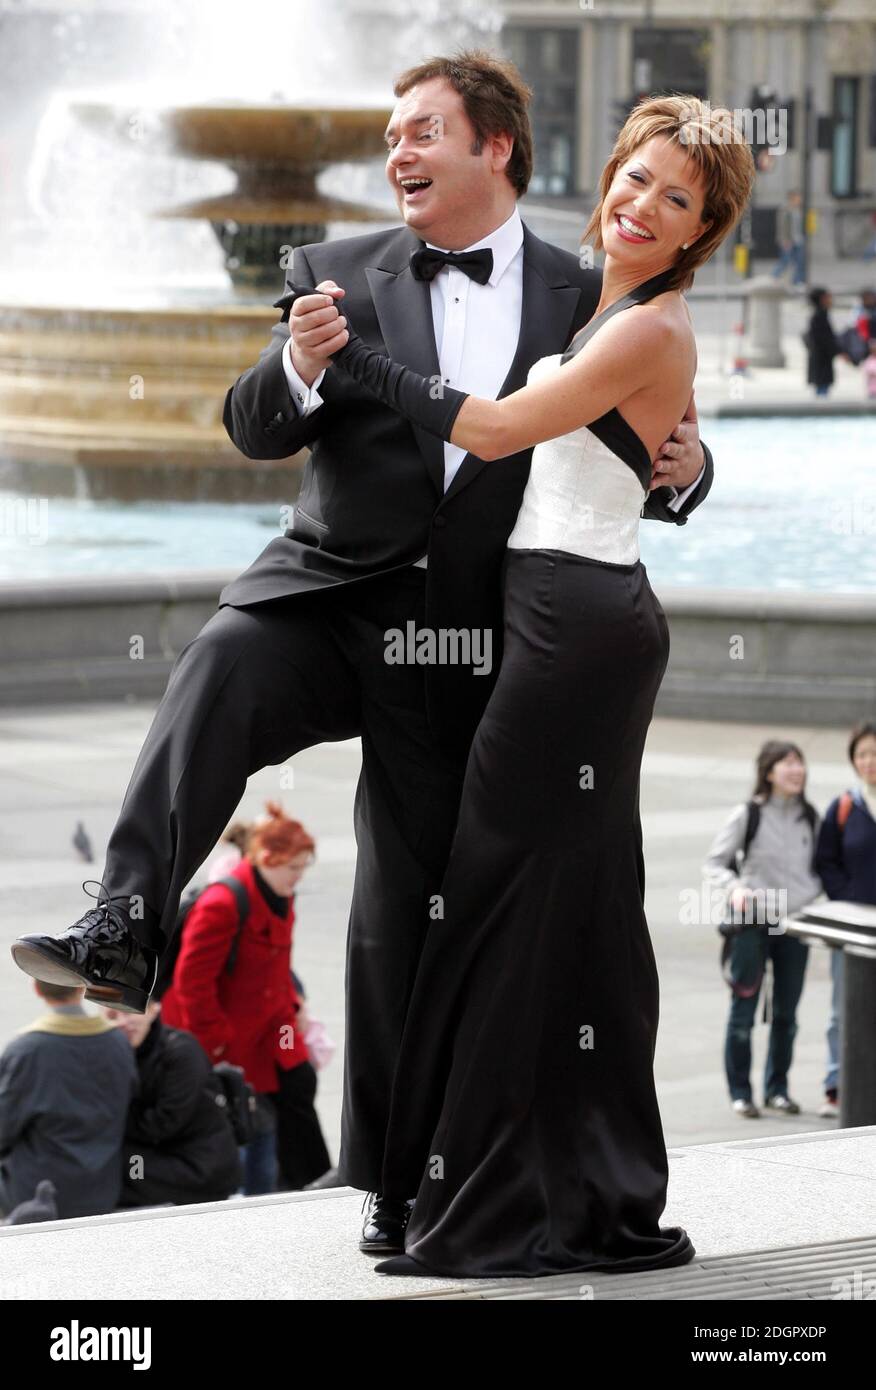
[806, 169]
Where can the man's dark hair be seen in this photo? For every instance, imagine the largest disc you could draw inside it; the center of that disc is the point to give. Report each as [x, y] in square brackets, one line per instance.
[495, 98]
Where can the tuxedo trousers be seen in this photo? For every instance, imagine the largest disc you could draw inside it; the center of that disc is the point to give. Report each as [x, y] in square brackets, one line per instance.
[256, 685]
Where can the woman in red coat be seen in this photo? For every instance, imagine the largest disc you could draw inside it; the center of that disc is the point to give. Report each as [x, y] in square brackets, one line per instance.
[252, 1015]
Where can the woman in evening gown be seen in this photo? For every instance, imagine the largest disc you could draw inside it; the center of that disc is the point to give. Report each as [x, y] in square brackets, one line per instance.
[524, 1114]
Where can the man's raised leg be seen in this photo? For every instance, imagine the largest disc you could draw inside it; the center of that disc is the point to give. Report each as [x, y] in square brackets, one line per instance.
[255, 686]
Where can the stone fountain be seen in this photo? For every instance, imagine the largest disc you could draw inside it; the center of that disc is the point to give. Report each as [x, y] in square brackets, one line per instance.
[276, 153]
[127, 402]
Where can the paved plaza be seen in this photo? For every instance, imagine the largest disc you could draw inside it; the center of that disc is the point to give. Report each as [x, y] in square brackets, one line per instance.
[64, 764]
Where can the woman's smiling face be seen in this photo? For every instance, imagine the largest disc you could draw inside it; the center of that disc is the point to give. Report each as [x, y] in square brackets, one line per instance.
[654, 206]
[864, 759]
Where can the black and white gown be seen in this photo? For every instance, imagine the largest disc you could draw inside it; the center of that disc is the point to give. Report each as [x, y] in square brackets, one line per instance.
[524, 1114]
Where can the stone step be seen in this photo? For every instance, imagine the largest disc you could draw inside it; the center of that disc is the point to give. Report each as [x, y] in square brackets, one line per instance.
[776, 1218]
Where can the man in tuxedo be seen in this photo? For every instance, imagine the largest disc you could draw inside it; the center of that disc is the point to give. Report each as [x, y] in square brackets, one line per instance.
[392, 526]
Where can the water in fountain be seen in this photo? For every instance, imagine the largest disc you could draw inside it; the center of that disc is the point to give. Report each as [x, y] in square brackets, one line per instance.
[75, 201]
[112, 376]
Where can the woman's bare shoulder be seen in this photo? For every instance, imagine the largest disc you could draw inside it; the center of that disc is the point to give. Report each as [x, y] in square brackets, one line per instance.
[670, 328]
[670, 313]
[658, 331]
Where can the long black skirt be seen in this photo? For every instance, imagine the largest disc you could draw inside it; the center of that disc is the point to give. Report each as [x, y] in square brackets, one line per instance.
[524, 1114]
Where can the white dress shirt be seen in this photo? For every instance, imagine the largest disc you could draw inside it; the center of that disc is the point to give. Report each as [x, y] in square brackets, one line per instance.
[476, 331]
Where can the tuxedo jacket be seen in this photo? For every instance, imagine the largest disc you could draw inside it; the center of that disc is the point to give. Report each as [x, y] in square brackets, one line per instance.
[372, 497]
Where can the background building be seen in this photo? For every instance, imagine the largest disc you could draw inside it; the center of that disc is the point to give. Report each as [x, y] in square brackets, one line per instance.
[588, 60]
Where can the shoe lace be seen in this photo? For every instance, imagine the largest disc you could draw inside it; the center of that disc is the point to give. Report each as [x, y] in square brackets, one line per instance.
[377, 1198]
[99, 916]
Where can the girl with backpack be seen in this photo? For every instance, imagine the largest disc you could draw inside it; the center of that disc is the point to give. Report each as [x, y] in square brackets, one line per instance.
[233, 989]
[762, 859]
[846, 860]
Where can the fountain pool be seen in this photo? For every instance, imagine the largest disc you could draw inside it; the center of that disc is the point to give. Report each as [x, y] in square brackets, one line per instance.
[793, 507]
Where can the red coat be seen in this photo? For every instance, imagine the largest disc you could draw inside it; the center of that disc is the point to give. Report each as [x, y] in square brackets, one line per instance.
[246, 1017]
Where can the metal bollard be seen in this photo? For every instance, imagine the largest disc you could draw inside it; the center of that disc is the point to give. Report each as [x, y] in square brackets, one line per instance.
[850, 928]
[857, 1082]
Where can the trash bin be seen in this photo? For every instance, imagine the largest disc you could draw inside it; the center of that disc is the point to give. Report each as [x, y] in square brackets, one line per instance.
[850, 928]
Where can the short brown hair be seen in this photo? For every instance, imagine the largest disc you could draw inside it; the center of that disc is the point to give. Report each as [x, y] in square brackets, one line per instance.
[717, 148]
[62, 994]
[495, 98]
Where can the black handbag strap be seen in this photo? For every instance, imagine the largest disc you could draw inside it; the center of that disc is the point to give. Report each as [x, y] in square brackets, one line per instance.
[241, 897]
[752, 822]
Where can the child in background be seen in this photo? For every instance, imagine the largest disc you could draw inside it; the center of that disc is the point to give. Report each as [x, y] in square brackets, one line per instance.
[233, 847]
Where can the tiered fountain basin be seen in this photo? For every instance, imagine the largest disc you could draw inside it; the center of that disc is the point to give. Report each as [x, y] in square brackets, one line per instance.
[276, 153]
[127, 402]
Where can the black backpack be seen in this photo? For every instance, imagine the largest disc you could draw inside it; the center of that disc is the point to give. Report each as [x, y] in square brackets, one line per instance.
[234, 1096]
[853, 345]
[167, 963]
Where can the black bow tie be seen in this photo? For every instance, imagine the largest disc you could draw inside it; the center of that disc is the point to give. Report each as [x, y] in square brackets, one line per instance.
[478, 265]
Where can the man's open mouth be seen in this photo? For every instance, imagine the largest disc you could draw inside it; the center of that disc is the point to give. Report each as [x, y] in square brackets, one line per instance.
[412, 186]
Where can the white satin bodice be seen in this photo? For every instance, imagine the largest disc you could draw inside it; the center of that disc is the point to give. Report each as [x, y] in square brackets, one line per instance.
[580, 496]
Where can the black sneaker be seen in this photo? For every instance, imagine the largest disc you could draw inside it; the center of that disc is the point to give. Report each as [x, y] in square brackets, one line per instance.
[99, 951]
[747, 1108]
[783, 1103]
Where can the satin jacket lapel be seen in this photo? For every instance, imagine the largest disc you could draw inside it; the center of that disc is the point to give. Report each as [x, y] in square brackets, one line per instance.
[547, 312]
[403, 306]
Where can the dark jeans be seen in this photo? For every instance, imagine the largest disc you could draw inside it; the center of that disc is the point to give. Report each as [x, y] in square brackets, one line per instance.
[752, 948]
[793, 257]
[259, 1159]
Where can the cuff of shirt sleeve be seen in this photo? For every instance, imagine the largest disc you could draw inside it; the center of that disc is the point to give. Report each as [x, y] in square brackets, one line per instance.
[678, 499]
[306, 398]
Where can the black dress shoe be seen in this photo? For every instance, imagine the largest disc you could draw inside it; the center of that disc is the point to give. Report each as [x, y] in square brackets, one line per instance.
[386, 1220]
[100, 952]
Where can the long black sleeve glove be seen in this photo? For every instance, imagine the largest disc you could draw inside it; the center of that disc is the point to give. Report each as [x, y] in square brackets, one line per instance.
[426, 402]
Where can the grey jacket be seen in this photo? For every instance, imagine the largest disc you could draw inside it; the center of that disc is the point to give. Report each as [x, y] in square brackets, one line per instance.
[66, 1082]
[789, 226]
[779, 856]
